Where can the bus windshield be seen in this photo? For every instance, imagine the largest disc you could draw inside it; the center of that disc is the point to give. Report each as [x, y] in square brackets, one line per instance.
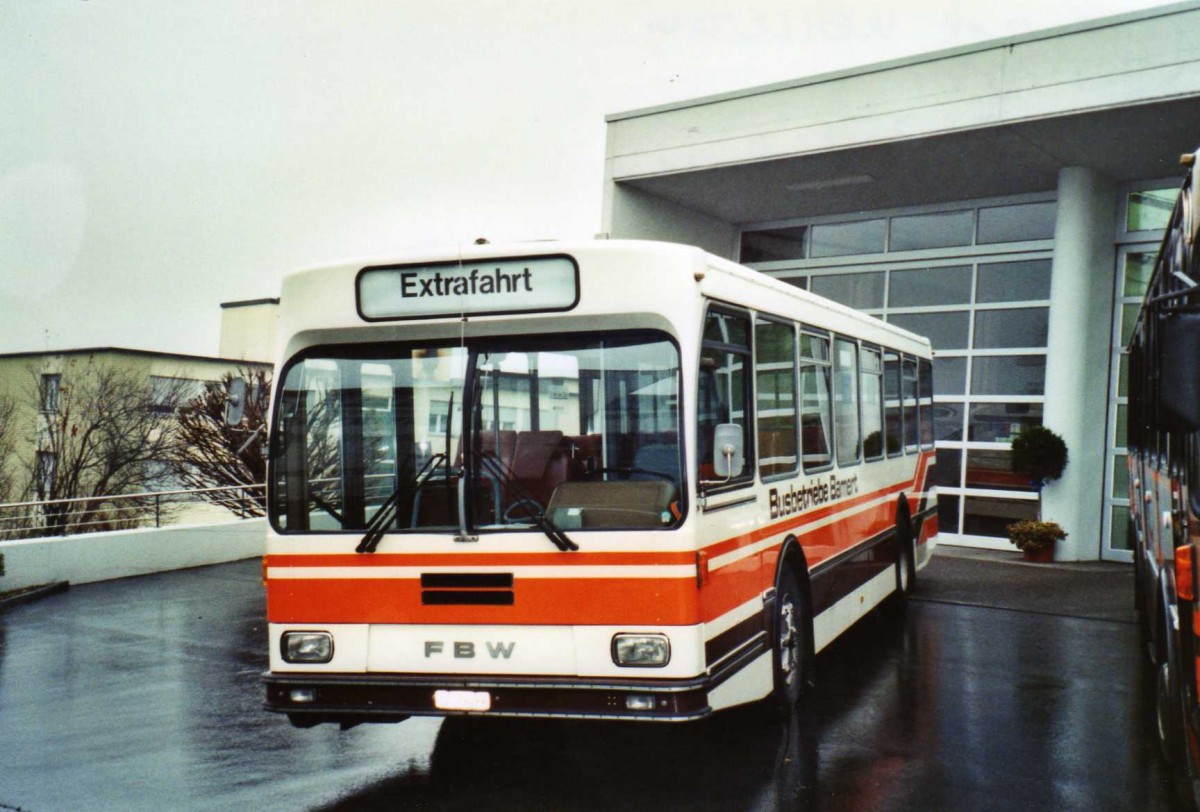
[581, 432]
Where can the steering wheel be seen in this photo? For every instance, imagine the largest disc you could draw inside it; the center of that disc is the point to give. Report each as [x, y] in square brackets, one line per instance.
[531, 506]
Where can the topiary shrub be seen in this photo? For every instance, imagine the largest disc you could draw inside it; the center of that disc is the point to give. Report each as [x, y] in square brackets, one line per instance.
[1041, 455]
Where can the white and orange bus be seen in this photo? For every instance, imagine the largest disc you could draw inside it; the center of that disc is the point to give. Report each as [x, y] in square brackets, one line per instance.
[623, 480]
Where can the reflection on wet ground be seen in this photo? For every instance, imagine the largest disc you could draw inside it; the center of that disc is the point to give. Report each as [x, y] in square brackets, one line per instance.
[144, 693]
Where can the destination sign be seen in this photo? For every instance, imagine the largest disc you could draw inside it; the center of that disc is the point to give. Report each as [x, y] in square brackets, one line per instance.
[496, 286]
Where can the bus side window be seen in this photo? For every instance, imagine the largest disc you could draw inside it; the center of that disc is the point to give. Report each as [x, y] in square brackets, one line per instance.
[724, 390]
[872, 403]
[893, 417]
[775, 374]
[925, 402]
[908, 384]
[845, 401]
[815, 401]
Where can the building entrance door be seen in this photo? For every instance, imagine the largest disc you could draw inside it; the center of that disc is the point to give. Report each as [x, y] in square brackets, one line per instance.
[1135, 262]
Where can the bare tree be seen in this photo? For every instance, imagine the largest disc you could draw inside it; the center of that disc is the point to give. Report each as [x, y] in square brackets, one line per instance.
[213, 454]
[11, 519]
[8, 442]
[100, 434]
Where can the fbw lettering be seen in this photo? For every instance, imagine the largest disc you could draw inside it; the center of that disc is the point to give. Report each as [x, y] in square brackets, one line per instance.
[465, 650]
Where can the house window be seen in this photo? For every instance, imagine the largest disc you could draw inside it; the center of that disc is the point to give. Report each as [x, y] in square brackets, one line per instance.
[168, 394]
[51, 393]
[46, 466]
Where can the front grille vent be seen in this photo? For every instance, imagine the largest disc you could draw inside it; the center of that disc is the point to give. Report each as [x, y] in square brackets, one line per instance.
[467, 589]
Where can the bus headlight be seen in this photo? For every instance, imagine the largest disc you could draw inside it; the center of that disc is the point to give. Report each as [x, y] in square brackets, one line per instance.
[306, 647]
[641, 650]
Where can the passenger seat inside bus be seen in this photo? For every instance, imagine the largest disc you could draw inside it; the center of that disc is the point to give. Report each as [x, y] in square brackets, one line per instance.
[540, 463]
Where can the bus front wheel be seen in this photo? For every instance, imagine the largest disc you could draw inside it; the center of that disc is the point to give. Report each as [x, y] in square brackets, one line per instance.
[793, 630]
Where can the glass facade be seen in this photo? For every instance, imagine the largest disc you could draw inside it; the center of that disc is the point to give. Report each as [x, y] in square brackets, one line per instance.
[937, 230]
[976, 281]
[986, 314]
[1149, 209]
[1134, 265]
[1146, 213]
[1020, 223]
[843, 239]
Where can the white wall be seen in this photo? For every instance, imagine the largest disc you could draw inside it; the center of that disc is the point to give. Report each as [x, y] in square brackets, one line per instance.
[1097, 65]
[103, 556]
[632, 214]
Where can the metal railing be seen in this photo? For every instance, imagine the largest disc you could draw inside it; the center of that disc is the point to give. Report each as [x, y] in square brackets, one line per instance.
[91, 514]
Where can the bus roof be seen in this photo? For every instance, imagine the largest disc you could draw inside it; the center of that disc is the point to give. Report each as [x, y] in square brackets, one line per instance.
[327, 297]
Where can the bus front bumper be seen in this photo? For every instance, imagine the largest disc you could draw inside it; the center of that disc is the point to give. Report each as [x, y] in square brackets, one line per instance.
[348, 699]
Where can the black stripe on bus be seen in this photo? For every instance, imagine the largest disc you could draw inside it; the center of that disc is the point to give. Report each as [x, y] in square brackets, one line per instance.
[734, 637]
[467, 580]
[830, 581]
[451, 597]
[841, 575]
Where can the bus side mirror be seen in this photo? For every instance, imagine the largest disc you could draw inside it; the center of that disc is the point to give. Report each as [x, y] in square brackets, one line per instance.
[728, 451]
[1179, 370]
[235, 401]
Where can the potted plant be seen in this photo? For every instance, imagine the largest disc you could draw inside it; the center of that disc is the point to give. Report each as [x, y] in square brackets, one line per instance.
[1040, 454]
[1035, 539]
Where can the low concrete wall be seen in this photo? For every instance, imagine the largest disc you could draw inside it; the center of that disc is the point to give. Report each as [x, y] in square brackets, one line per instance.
[119, 554]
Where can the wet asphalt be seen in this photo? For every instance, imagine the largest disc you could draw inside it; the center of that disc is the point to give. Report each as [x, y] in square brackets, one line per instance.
[144, 694]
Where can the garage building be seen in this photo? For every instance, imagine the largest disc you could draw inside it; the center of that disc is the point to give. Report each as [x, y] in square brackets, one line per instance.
[1005, 199]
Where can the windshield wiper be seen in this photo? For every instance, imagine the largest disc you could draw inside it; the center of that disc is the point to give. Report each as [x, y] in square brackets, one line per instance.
[489, 463]
[533, 510]
[388, 510]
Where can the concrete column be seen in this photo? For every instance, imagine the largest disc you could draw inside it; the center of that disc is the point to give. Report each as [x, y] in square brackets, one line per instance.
[1077, 374]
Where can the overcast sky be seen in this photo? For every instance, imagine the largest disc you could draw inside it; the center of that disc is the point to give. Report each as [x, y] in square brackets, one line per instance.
[158, 158]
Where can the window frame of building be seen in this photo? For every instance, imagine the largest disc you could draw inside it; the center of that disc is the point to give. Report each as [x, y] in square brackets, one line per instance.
[1115, 544]
[51, 392]
[45, 470]
[187, 388]
[959, 412]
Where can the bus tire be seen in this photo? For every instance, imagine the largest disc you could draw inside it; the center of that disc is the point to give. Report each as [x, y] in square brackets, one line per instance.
[791, 645]
[1168, 711]
[303, 721]
[1138, 573]
[1143, 605]
[906, 568]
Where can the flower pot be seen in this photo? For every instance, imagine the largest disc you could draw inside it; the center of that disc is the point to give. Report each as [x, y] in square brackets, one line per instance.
[1040, 555]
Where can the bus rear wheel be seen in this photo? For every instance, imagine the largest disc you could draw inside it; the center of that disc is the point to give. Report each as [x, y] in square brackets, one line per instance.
[1168, 714]
[905, 566]
[791, 648]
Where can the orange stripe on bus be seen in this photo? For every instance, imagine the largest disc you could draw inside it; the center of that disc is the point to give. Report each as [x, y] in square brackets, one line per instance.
[729, 545]
[468, 558]
[607, 601]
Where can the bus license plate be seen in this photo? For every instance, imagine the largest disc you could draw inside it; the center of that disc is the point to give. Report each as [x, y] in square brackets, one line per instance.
[462, 700]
